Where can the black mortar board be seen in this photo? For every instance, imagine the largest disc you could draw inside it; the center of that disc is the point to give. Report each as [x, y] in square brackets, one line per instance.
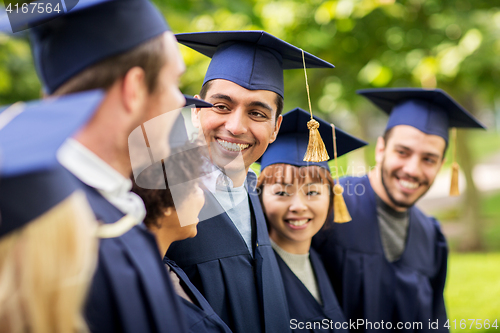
[31, 179]
[93, 31]
[431, 111]
[254, 60]
[291, 143]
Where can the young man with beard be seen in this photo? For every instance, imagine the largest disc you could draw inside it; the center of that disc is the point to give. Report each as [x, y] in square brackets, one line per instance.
[126, 49]
[231, 260]
[388, 265]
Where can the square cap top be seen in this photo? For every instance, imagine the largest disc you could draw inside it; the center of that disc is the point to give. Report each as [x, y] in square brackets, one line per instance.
[31, 179]
[431, 111]
[93, 31]
[291, 143]
[254, 60]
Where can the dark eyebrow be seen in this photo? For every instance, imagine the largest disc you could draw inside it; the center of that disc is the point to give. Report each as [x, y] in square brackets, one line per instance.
[222, 96]
[432, 155]
[401, 147]
[262, 105]
[425, 154]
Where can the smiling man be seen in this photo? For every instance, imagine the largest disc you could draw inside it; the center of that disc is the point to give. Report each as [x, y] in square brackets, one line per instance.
[231, 260]
[388, 266]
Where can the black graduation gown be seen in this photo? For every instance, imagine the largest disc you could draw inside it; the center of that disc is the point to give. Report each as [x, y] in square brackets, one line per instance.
[131, 291]
[371, 288]
[303, 306]
[200, 316]
[247, 293]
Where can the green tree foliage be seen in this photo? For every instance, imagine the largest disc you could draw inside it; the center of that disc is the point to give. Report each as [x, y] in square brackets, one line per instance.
[450, 44]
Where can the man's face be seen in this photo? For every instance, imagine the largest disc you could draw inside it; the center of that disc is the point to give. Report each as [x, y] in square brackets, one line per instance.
[409, 162]
[240, 125]
[167, 96]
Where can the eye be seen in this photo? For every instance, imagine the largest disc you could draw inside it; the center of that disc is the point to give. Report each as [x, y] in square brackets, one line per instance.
[312, 193]
[220, 108]
[281, 193]
[401, 153]
[258, 115]
[430, 160]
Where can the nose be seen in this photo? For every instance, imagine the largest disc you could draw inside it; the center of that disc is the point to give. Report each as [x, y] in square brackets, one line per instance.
[298, 203]
[412, 167]
[235, 123]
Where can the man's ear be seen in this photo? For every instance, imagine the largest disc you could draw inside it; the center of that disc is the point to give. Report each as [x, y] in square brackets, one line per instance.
[134, 91]
[195, 114]
[276, 129]
[380, 150]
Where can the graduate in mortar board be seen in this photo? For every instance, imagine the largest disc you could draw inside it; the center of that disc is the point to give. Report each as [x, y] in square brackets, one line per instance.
[231, 261]
[389, 263]
[48, 233]
[297, 198]
[173, 198]
[124, 47]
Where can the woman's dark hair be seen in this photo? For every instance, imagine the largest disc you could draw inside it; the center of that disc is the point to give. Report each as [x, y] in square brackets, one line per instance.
[184, 165]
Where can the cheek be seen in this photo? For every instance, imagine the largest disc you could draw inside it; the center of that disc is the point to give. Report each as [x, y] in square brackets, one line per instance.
[320, 207]
[273, 209]
[208, 121]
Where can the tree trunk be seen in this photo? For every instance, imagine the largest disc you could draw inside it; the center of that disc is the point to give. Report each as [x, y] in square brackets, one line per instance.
[472, 239]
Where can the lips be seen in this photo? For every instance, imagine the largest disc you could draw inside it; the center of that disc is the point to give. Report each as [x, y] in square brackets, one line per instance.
[232, 146]
[408, 184]
[298, 224]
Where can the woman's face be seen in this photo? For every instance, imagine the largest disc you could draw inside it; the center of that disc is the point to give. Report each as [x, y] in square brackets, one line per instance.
[184, 220]
[295, 213]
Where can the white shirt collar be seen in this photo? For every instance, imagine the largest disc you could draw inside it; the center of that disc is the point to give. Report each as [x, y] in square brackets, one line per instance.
[96, 173]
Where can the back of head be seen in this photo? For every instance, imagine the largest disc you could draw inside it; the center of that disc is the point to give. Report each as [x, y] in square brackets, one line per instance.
[105, 31]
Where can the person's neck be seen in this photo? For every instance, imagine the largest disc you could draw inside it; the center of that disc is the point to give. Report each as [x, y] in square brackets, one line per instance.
[164, 239]
[238, 177]
[302, 247]
[376, 183]
[109, 151]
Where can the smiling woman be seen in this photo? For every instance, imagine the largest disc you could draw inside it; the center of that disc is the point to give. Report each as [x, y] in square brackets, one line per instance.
[297, 199]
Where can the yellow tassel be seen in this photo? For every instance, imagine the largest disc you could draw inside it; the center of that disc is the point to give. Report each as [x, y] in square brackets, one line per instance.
[316, 150]
[454, 191]
[340, 212]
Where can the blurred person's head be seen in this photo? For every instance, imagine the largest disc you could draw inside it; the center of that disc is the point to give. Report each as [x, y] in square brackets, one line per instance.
[46, 267]
[140, 72]
[172, 195]
[297, 201]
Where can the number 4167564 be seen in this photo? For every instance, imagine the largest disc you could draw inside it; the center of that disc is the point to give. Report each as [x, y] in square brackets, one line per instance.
[34, 7]
[470, 323]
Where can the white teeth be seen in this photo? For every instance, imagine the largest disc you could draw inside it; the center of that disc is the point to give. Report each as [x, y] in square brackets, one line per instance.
[298, 223]
[232, 146]
[408, 185]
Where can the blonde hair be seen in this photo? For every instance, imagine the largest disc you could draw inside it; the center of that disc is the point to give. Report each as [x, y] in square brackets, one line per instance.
[46, 268]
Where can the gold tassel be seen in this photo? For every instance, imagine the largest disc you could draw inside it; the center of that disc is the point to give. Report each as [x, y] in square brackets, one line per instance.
[454, 191]
[316, 150]
[340, 211]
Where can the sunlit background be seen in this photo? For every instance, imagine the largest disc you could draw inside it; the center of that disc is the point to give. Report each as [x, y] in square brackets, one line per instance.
[451, 44]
